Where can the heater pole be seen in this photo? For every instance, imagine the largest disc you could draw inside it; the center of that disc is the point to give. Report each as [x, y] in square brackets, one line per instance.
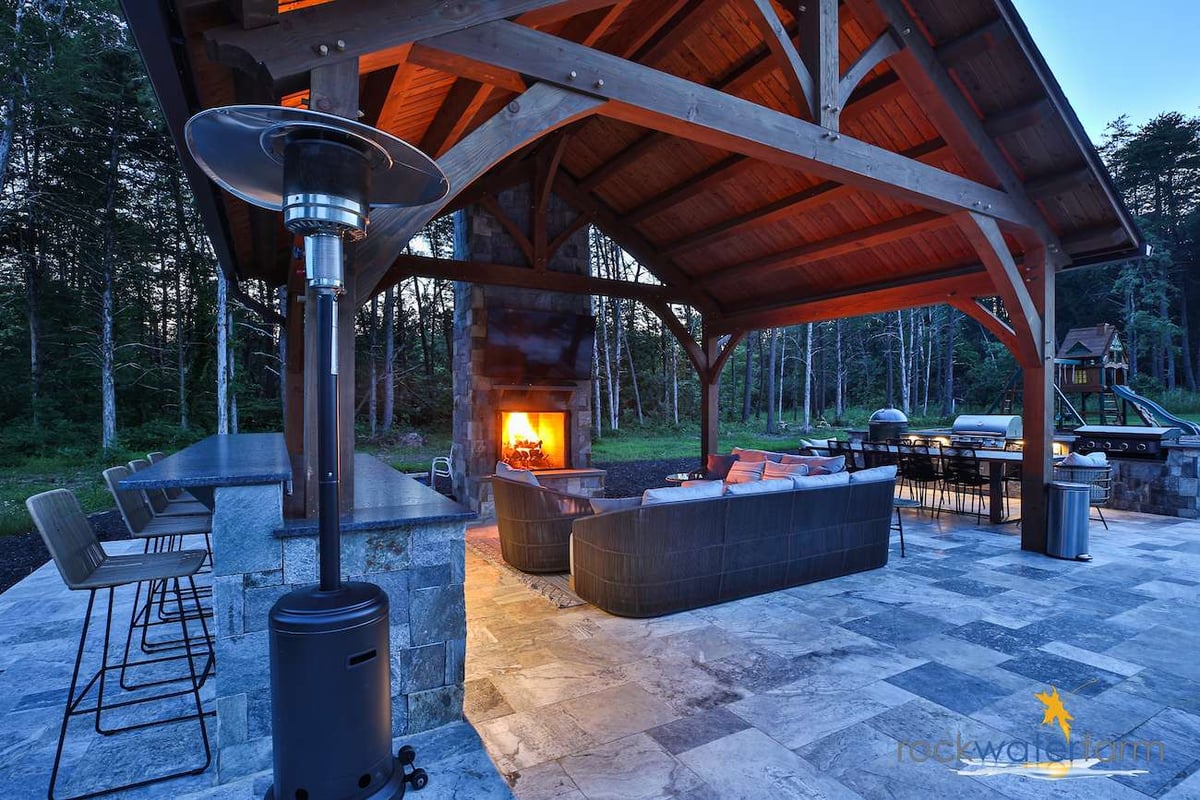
[327, 441]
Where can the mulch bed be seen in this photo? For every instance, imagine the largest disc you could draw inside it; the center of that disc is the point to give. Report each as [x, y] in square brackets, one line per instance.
[21, 554]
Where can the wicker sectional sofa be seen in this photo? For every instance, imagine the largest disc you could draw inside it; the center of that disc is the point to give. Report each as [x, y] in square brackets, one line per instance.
[658, 559]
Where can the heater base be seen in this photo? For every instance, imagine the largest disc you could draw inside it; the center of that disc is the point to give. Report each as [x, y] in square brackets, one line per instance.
[396, 785]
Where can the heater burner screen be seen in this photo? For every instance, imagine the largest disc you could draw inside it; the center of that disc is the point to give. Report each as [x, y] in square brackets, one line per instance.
[533, 439]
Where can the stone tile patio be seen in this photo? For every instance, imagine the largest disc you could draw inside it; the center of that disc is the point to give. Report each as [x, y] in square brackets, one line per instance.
[836, 690]
[840, 689]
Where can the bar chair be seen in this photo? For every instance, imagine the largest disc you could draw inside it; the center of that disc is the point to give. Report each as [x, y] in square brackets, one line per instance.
[961, 472]
[162, 504]
[919, 470]
[85, 566]
[159, 535]
[173, 493]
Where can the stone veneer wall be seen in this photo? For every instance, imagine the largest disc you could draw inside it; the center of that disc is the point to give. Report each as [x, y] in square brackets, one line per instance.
[1154, 487]
[421, 567]
[477, 398]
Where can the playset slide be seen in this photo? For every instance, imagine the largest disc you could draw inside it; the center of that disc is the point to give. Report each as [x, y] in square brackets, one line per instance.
[1152, 413]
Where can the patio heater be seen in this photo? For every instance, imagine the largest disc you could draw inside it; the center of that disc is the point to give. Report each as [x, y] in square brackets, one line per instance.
[330, 656]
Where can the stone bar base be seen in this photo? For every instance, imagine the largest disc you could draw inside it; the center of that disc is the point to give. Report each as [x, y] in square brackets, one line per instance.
[581, 482]
[1154, 487]
[419, 565]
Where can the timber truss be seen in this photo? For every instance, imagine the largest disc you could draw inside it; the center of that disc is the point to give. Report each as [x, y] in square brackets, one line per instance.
[770, 162]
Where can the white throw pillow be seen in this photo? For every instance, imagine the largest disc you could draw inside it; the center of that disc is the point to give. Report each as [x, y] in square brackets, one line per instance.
[821, 481]
[773, 471]
[874, 474]
[743, 471]
[762, 487]
[679, 494]
[519, 475]
[1096, 459]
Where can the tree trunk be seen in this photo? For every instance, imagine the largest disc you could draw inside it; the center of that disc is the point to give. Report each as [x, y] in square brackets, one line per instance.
[15, 85]
[770, 376]
[808, 351]
[389, 361]
[840, 369]
[373, 368]
[222, 353]
[108, 389]
[948, 363]
[904, 396]
[597, 406]
[748, 378]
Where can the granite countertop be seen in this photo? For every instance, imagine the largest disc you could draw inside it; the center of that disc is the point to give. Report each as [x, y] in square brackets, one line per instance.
[239, 459]
[385, 498]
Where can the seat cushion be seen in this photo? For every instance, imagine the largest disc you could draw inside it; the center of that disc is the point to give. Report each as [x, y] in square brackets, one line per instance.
[818, 465]
[679, 494]
[601, 505]
[773, 471]
[821, 481]
[520, 475]
[752, 455]
[744, 471]
[762, 487]
[885, 473]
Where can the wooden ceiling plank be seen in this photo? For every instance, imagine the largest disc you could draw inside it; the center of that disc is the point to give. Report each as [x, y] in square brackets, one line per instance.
[525, 278]
[564, 10]
[1017, 119]
[676, 19]
[972, 42]
[795, 69]
[985, 237]
[783, 208]
[956, 120]
[1047, 186]
[540, 110]
[461, 103]
[294, 45]
[647, 97]
[397, 92]
[843, 244]
[466, 68]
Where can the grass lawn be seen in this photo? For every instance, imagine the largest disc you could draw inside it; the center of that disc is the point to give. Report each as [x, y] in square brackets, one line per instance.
[40, 474]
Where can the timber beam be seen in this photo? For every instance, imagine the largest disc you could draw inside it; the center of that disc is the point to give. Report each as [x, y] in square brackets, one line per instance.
[694, 351]
[316, 36]
[539, 111]
[988, 319]
[987, 240]
[644, 96]
[940, 96]
[909, 292]
[526, 278]
[795, 70]
[817, 21]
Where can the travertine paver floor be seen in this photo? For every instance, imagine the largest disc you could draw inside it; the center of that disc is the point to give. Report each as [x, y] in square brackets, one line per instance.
[845, 688]
[39, 631]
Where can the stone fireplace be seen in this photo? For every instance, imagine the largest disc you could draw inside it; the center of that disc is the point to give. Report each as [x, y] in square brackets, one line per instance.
[520, 412]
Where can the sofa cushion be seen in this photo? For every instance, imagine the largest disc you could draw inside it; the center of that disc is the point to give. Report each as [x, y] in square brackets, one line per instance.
[773, 471]
[716, 467]
[754, 456]
[697, 482]
[818, 465]
[821, 481]
[744, 471]
[601, 505]
[762, 487]
[519, 475]
[885, 473]
[679, 494]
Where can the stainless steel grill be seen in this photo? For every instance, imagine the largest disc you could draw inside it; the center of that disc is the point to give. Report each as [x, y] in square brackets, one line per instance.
[1125, 441]
[985, 430]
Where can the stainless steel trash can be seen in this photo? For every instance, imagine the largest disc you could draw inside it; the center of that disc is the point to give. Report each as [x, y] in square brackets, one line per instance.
[1067, 532]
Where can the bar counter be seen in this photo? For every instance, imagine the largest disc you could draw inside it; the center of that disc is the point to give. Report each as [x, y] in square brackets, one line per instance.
[400, 535]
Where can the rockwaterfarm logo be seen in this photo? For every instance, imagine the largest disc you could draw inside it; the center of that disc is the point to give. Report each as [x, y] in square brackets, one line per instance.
[1043, 757]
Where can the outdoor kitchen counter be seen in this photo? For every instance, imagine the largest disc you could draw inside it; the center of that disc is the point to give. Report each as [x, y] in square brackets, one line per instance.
[385, 498]
[239, 459]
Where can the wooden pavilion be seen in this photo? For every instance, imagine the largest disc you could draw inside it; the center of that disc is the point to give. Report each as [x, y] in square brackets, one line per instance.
[769, 162]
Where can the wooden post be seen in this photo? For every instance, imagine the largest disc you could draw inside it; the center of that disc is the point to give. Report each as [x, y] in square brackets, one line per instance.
[1037, 466]
[710, 398]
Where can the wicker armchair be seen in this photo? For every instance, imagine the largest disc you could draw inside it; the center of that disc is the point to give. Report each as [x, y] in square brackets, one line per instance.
[535, 524]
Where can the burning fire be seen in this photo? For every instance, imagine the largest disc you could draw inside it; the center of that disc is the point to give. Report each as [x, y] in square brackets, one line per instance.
[533, 440]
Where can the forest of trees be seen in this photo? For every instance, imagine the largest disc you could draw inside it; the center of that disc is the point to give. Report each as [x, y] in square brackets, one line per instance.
[117, 328]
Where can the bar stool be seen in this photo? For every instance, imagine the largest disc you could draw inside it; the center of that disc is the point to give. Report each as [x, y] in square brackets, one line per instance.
[899, 503]
[162, 504]
[85, 566]
[172, 493]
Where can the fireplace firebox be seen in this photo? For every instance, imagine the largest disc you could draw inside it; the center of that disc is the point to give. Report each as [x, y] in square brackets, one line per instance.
[534, 440]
